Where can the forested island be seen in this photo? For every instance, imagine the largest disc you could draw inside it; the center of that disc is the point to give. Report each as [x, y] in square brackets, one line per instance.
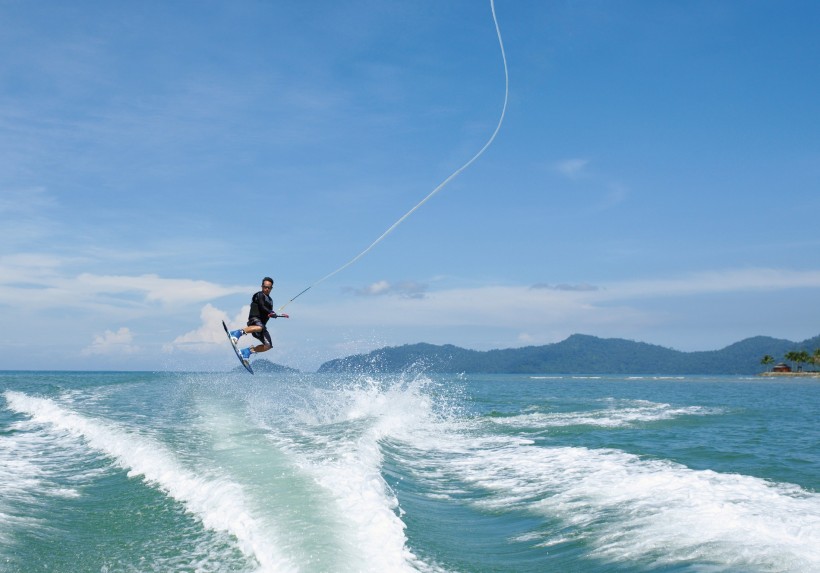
[797, 357]
[579, 354]
[263, 365]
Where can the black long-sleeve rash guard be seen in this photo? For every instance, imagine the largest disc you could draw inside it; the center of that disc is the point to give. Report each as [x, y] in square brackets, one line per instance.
[261, 307]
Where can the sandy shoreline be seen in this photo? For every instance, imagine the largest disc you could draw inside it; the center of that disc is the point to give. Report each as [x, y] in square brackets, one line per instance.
[792, 374]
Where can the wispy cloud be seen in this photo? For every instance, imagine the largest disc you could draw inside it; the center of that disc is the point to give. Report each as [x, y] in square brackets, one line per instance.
[571, 168]
[583, 287]
[41, 281]
[155, 289]
[721, 281]
[616, 195]
[545, 303]
[613, 193]
[110, 342]
[407, 289]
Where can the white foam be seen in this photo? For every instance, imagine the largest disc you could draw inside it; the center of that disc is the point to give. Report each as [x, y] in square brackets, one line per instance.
[626, 508]
[20, 479]
[614, 417]
[633, 510]
[218, 502]
[34, 469]
[340, 447]
[672, 513]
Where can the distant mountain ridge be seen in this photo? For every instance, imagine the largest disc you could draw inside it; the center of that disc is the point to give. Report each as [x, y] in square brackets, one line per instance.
[578, 354]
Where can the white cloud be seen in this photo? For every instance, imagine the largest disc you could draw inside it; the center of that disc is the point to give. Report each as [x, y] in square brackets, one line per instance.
[24, 275]
[486, 307]
[572, 168]
[210, 332]
[521, 307]
[409, 289]
[576, 169]
[28, 267]
[675, 311]
[582, 287]
[497, 316]
[119, 342]
[377, 288]
[713, 282]
[154, 288]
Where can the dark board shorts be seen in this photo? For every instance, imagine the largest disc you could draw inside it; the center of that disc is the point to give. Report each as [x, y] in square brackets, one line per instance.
[263, 336]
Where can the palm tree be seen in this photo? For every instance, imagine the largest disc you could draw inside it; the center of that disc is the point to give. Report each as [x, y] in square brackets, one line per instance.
[798, 356]
[770, 359]
[802, 358]
[791, 356]
[815, 359]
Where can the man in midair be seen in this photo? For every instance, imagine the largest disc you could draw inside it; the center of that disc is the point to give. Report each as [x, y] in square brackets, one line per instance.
[261, 311]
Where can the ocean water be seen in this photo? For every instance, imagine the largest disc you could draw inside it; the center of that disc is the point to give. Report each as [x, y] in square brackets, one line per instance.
[216, 472]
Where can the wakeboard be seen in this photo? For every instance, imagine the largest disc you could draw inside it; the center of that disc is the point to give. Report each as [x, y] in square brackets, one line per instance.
[244, 362]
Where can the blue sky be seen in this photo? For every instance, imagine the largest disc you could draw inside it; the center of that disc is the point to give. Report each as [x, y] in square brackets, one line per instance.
[656, 177]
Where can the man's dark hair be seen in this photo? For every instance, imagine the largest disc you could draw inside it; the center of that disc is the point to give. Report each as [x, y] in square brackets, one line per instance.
[267, 279]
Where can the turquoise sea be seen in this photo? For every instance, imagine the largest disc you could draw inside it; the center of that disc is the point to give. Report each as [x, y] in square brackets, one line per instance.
[223, 472]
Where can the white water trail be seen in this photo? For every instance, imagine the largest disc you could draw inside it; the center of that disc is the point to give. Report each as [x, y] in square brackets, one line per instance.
[338, 441]
[218, 502]
[627, 509]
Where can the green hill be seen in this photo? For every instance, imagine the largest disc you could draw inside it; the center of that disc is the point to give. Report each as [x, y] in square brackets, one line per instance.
[263, 365]
[578, 354]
